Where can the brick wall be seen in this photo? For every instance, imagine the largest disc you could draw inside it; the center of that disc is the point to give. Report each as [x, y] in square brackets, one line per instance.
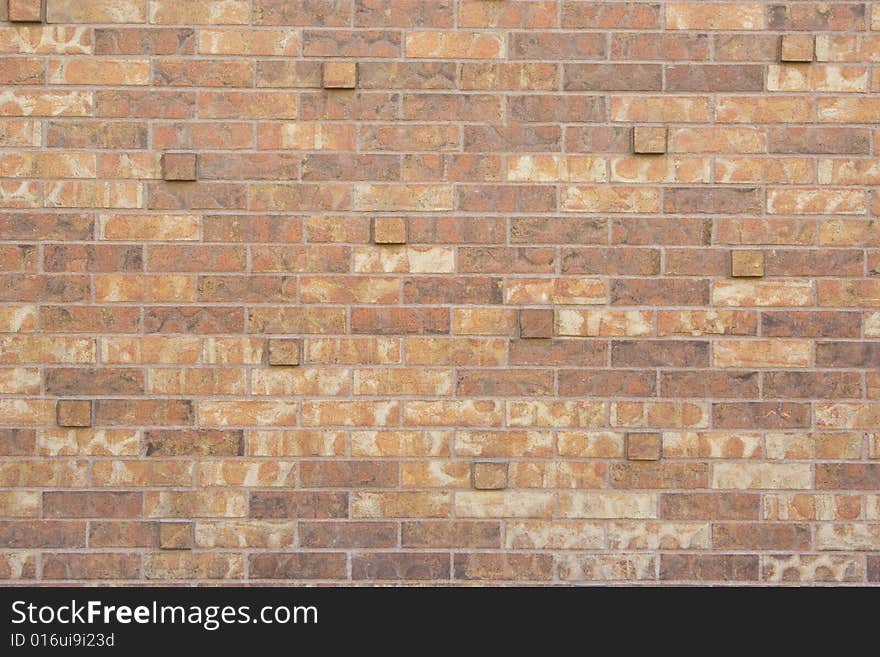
[439, 290]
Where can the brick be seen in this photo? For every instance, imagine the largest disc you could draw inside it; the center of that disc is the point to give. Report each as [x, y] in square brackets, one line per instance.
[179, 166]
[746, 264]
[709, 567]
[74, 413]
[489, 475]
[389, 230]
[649, 139]
[284, 351]
[796, 48]
[534, 323]
[339, 75]
[98, 11]
[643, 446]
[175, 535]
[25, 11]
[401, 566]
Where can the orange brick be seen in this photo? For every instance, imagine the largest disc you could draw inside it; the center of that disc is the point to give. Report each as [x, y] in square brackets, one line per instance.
[389, 230]
[796, 48]
[179, 166]
[488, 475]
[175, 536]
[340, 75]
[284, 351]
[25, 11]
[649, 139]
[748, 264]
[74, 413]
[534, 323]
[643, 446]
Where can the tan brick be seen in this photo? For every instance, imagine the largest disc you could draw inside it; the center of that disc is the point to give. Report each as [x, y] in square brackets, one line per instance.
[761, 476]
[643, 446]
[649, 139]
[489, 476]
[796, 48]
[746, 264]
[389, 230]
[25, 11]
[179, 166]
[74, 413]
[175, 536]
[339, 75]
[503, 504]
[284, 351]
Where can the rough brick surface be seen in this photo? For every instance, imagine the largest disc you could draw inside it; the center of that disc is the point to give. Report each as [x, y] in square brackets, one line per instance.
[349, 291]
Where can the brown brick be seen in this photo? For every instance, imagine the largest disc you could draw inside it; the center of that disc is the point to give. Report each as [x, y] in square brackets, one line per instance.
[25, 11]
[796, 48]
[766, 415]
[175, 536]
[74, 413]
[179, 166]
[489, 476]
[298, 505]
[340, 75]
[659, 474]
[347, 534]
[535, 323]
[746, 264]
[445, 534]
[503, 566]
[120, 534]
[649, 139]
[709, 567]
[284, 351]
[76, 504]
[106, 565]
[761, 536]
[848, 476]
[389, 230]
[42, 534]
[399, 566]
[298, 566]
[710, 506]
[643, 446]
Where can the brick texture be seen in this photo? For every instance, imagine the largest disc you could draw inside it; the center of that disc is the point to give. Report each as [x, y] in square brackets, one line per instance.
[462, 291]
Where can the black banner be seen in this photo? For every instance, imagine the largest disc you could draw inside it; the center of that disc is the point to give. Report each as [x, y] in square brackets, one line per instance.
[104, 620]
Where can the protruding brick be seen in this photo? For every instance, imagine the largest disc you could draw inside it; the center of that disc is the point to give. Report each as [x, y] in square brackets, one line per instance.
[175, 536]
[535, 323]
[643, 446]
[389, 230]
[649, 139]
[74, 413]
[179, 166]
[285, 351]
[339, 75]
[489, 475]
[796, 48]
[25, 11]
[746, 264]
